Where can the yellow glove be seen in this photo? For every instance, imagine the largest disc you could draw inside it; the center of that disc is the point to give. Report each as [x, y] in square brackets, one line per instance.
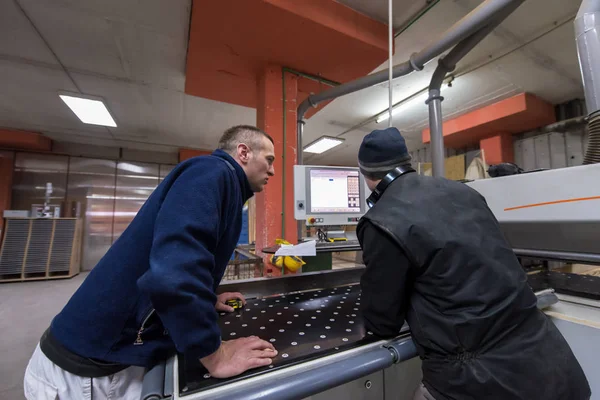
[276, 260]
[293, 263]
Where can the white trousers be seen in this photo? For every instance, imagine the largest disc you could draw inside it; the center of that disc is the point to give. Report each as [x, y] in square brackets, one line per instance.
[44, 380]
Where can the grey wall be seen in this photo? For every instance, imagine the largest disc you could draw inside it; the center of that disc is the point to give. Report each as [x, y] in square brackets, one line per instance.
[550, 150]
[532, 150]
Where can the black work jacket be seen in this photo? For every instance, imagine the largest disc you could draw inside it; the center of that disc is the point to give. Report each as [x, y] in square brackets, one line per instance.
[436, 257]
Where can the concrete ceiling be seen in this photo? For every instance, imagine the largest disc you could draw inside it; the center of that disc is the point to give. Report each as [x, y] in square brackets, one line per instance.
[532, 51]
[402, 10]
[132, 53]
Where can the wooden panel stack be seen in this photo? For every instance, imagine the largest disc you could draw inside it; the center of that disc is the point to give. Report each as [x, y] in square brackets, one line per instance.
[454, 167]
[40, 248]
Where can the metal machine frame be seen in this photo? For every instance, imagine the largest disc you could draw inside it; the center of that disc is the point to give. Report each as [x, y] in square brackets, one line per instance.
[553, 214]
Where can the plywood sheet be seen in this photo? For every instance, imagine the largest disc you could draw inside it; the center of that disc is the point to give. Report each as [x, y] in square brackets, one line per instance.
[454, 166]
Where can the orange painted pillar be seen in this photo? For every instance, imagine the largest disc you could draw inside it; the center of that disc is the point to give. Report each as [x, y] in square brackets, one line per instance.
[498, 149]
[6, 179]
[185, 154]
[276, 115]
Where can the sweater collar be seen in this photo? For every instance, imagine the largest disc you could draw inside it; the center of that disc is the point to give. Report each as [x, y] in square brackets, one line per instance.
[247, 192]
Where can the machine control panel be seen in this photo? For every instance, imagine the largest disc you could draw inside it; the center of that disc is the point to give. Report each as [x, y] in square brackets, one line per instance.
[310, 221]
[329, 196]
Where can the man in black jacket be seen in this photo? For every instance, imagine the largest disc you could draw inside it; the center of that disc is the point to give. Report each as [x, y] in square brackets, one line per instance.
[436, 257]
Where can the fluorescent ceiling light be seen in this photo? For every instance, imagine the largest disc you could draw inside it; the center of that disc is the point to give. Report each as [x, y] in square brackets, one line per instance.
[323, 144]
[89, 110]
[402, 106]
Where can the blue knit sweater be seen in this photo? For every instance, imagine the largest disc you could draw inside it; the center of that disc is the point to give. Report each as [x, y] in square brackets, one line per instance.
[154, 290]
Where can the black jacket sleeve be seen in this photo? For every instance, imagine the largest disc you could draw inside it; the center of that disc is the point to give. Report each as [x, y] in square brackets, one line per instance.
[386, 283]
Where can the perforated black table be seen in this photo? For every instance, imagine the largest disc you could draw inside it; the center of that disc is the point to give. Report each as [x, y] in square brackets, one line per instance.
[301, 326]
[566, 283]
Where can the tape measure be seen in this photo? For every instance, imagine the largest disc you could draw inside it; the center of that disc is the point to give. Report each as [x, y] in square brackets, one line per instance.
[235, 303]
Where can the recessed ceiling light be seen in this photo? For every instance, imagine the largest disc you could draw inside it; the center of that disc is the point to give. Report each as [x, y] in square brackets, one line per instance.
[323, 144]
[90, 110]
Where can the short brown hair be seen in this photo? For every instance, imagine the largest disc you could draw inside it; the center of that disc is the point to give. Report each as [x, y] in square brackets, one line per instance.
[242, 134]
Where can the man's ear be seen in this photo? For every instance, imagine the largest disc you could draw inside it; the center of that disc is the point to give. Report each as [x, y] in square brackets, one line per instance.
[243, 152]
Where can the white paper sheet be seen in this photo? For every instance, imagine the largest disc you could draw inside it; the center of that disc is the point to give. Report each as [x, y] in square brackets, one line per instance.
[303, 249]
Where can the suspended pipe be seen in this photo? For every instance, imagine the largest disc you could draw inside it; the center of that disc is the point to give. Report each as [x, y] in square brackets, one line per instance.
[587, 33]
[562, 126]
[484, 64]
[390, 56]
[467, 26]
[448, 64]
[312, 77]
[471, 23]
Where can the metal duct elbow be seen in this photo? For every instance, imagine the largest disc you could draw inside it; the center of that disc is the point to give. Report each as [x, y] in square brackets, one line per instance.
[587, 33]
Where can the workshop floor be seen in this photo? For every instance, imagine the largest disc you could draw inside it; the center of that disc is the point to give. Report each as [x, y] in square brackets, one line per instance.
[26, 309]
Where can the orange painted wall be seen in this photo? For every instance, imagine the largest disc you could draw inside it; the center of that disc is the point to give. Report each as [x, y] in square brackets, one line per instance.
[231, 42]
[185, 154]
[337, 16]
[517, 114]
[25, 140]
[306, 87]
[274, 205]
[498, 149]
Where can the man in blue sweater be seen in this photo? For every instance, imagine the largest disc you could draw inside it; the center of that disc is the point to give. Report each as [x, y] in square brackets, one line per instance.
[153, 293]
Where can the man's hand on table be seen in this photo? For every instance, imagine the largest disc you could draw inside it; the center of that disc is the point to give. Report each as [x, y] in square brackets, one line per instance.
[223, 297]
[237, 356]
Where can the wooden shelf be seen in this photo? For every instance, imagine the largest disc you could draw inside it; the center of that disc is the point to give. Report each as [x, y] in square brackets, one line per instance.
[40, 248]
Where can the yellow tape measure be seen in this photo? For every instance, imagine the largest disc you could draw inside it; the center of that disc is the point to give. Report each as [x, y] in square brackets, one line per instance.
[235, 303]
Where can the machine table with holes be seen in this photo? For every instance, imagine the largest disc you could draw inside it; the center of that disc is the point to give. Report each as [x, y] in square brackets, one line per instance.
[314, 321]
[301, 326]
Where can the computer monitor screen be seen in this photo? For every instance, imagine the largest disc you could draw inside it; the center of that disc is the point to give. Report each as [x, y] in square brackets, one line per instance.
[334, 191]
[326, 196]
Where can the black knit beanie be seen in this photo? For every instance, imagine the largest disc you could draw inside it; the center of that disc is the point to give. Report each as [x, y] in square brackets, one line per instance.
[381, 151]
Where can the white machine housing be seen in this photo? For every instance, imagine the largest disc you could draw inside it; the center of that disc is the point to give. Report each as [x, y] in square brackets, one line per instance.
[302, 198]
[555, 210]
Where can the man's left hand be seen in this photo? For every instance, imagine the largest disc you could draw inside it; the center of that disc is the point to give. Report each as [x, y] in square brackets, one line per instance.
[223, 297]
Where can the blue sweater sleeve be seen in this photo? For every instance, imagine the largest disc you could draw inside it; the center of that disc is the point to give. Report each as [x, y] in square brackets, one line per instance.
[179, 281]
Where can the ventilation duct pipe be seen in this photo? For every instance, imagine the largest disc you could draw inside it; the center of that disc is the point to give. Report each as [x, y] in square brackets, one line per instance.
[587, 33]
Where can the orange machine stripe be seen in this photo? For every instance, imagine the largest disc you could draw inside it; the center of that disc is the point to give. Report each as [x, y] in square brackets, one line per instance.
[553, 202]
